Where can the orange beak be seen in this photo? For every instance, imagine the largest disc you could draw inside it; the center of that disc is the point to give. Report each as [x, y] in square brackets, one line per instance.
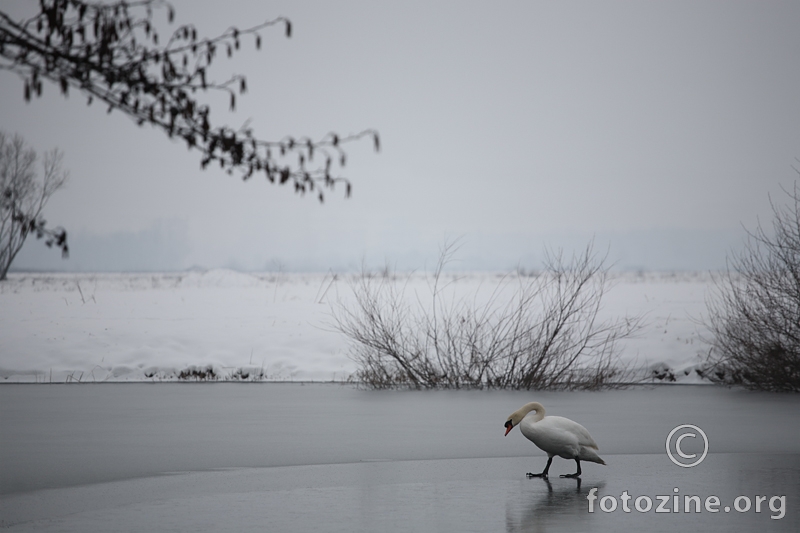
[509, 427]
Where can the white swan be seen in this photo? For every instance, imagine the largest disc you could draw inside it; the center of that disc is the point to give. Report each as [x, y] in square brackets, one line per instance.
[555, 435]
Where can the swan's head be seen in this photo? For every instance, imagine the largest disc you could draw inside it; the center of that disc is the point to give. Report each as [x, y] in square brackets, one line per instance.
[517, 416]
[510, 424]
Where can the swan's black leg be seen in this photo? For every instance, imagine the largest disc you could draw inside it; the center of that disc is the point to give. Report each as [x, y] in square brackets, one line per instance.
[545, 471]
[576, 474]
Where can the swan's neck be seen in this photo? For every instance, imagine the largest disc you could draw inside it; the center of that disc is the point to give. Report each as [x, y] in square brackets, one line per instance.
[533, 406]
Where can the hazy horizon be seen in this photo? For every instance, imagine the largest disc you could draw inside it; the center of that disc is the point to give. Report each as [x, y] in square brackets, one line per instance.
[166, 249]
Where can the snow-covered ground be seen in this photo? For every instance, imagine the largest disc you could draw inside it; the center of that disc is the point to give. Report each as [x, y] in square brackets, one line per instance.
[273, 326]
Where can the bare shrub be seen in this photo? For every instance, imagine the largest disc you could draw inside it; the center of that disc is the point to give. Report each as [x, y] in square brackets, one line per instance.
[536, 332]
[198, 373]
[754, 311]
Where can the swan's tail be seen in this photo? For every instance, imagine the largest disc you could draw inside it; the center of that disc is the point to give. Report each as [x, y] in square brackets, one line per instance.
[588, 454]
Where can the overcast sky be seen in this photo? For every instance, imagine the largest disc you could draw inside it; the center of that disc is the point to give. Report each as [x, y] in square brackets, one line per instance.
[658, 128]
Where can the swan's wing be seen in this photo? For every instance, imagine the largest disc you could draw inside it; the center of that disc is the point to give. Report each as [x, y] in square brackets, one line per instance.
[572, 427]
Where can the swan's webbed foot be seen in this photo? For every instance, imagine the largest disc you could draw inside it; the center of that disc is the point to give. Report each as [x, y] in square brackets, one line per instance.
[544, 472]
[576, 474]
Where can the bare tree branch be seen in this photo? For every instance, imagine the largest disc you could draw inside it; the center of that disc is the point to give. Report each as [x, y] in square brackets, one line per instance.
[112, 53]
[23, 197]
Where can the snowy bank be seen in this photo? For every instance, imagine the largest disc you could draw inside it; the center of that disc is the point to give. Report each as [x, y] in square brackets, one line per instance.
[226, 325]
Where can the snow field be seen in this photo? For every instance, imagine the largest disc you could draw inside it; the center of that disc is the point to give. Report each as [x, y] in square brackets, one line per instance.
[222, 324]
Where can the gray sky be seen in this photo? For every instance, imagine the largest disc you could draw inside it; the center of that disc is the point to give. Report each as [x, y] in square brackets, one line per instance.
[659, 128]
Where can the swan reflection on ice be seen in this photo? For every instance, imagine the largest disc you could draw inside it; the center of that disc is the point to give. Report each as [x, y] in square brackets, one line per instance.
[559, 508]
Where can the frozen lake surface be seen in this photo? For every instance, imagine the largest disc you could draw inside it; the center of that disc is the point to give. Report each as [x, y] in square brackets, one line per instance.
[290, 457]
